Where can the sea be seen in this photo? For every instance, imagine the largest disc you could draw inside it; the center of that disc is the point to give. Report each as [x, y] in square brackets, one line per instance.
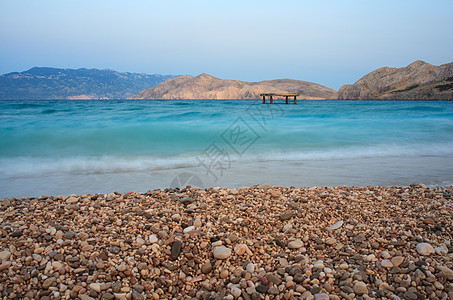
[101, 146]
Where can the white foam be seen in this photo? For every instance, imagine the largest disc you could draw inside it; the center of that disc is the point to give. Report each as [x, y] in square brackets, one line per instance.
[36, 166]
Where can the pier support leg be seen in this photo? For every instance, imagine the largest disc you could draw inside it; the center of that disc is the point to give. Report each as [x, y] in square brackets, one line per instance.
[264, 99]
[286, 99]
[272, 100]
[295, 100]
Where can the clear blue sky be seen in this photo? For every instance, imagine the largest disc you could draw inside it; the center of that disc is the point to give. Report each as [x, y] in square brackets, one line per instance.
[327, 42]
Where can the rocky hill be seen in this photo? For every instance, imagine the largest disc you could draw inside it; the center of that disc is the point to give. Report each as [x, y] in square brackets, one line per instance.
[417, 81]
[52, 83]
[205, 86]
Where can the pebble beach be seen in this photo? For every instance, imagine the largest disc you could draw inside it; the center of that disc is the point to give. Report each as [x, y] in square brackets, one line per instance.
[259, 242]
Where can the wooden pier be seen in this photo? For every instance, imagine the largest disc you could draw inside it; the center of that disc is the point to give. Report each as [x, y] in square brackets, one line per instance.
[272, 95]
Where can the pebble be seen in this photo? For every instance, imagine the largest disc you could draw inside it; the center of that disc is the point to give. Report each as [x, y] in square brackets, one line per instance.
[250, 268]
[48, 282]
[331, 242]
[360, 288]
[189, 228]
[236, 292]
[425, 249]
[5, 265]
[5, 254]
[442, 250]
[153, 239]
[95, 287]
[206, 267]
[321, 296]
[387, 263]
[261, 288]
[446, 271]
[286, 216]
[221, 252]
[197, 223]
[122, 268]
[296, 244]
[397, 260]
[240, 249]
[410, 296]
[335, 226]
[126, 245]
[175, 249]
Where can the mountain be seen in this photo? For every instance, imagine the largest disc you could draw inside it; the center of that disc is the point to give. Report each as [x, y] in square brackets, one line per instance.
[205, 86]
[417, 81]
[52, 83]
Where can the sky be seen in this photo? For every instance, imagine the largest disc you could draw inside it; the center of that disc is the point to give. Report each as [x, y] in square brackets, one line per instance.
[329, 42]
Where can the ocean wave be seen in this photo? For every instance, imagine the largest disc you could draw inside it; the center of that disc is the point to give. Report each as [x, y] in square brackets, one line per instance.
[43, 166]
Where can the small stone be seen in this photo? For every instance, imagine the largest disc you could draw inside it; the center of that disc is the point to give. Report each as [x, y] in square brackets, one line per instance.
[410, 296]
[250, 268]
[206, 267]
[446, 271]
[236, 292]
[116, 287]
[186, 200]
[260, 288]
[359, 238]
[442, 250]
[217, 243]
[175, 249]
[321, 296]
[274, 279]
[296, 244]
[16, 234]
[387, 263]
[287, 227]
[153, 239]
[335, 226]
[397, 260]
[87, 248]
[273, 290]
[331, 242]
[425, 249]
[188, 229]
[360, 288]
[137, 296]
[72, 200]
[286, 216]
[221, 252]
[5, 254]
[95, 287]
[5, 265]
[122, 268]
[240, 249]
[140, 241]
[48, 282]
[120, 295]
[197, 223]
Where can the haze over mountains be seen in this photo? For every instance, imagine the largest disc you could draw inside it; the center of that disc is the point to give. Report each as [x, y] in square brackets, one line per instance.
[52, 83]
[205, 86]
[417, 81]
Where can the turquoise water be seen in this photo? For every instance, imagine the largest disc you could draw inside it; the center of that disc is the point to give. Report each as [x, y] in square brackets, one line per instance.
[64, 147]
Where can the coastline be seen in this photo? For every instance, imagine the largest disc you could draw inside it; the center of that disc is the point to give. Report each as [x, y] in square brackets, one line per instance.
[256, 243]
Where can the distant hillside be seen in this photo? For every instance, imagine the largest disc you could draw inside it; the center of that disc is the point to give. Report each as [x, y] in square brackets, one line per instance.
[52, 83]
[205, 86]
[417, 81]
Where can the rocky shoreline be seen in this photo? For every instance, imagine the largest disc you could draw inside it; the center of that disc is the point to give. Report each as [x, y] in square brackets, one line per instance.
[260, 242]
